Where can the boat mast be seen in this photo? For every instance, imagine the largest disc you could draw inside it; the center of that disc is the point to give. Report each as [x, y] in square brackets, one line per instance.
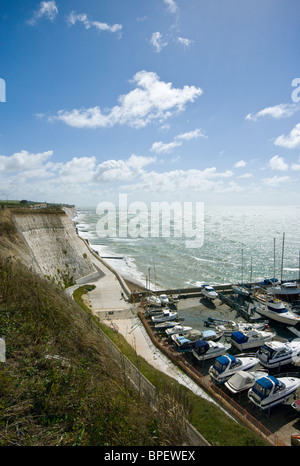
[282, 257]
[274, 259]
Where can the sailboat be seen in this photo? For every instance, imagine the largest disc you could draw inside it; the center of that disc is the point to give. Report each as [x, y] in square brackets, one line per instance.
[284, 289]
[240, 289]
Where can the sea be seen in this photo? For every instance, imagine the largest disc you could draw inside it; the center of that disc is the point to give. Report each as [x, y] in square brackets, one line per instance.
[239, 244]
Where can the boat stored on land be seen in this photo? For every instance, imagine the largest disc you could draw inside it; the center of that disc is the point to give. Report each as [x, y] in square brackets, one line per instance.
[269, 391]
[183, 344]
[225, 366]
[228, 327]
[164, 316]
[243, 380]
[277, 353]
[250, 338]
[178, 329]
[204, 349]
[164, 325]
[209, 292]
[276, 310]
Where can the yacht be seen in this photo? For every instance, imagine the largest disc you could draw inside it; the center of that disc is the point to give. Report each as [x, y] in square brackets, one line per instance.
[250, 338]
[285, 289]
[182, 343]
[228, 327]
[204, 350]
[277, 353]
[209, 292]
[164, 299]
[225, 366]
[160, 327]
[276, 310]
[178, 329]
[243, 380]
[269, 391]
[165, 315]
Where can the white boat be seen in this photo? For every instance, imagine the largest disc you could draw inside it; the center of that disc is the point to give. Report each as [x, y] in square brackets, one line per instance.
[204, 349]
[277, 353]
[269, 391]
[285, 289]
[155, 311]
[276, 310]
[225, 366]
[165, 315]
[160, 327]
[178, 329]
[208, 335]
[154, 300]
[164, 299]
[231, 326]
[182, 343]
[209, 292]
[250, 338]
[241, 290]
[243, 380]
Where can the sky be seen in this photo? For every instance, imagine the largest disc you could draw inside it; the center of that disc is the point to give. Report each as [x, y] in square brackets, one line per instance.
[162, 100]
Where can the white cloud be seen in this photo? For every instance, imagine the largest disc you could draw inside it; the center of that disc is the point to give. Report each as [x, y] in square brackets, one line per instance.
[151, 100]
[278, 163]
[72, 19]
[23, 161]
[247, 175]
[296, 166]
[48, 10]
[172, 7]
[277, 111]
[292, 140]
[240, 164]
[120, 170]
[158, 42]
[185, 42]
[275, 181]
[160, 147]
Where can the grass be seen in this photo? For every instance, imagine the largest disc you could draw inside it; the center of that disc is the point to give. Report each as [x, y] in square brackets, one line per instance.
[59, 385]
[215, 426]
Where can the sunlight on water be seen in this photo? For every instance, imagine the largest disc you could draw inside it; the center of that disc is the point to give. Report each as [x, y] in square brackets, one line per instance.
[227, 231]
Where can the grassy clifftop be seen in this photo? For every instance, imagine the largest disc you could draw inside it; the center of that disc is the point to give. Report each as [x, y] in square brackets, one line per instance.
[59, 385]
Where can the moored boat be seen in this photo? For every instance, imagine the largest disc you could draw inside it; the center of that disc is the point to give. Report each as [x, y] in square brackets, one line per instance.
[276, 310]
[228, 327]
[178, 329]
[164, 325]
[243, 380]
[269, 391]
[165, 315]
[277, 353]
[227, 365]
[209, 292]
[183, 344]
[248, 339]
[204, 350]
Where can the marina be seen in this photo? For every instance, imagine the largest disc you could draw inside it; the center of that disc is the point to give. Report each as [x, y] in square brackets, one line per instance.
[200, 357]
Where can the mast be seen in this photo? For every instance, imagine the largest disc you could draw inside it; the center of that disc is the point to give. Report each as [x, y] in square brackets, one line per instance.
[274, 259]
[282, 257]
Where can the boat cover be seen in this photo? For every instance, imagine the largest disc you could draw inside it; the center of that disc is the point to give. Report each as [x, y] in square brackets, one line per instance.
[209, 333]
[267, 382]
[201, 347]
[224, 360]
[239, 337]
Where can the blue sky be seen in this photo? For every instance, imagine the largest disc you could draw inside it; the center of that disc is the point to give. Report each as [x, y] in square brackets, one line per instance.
[162, 100]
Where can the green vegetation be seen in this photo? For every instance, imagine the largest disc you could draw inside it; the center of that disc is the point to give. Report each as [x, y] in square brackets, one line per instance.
[215, 426]
[59, 385]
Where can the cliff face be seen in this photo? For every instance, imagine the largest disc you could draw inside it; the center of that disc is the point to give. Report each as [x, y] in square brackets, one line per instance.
[46, 242]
